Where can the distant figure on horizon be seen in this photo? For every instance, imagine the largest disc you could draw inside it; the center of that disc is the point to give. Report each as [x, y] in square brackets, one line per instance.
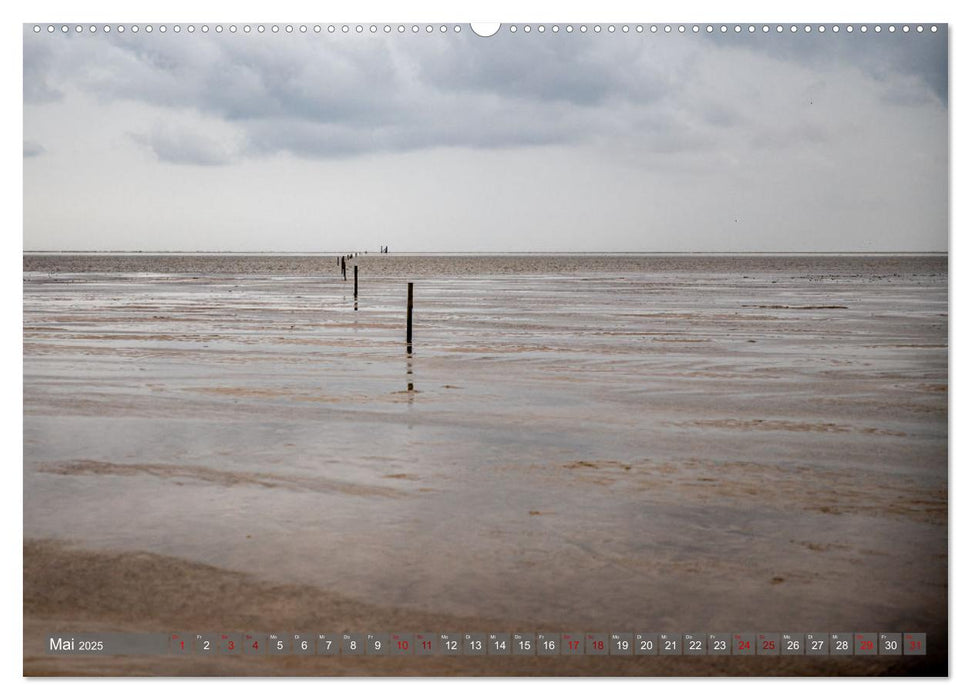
[344, 267]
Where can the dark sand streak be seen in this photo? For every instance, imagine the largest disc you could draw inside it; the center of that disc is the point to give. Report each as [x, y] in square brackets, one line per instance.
[218, 477]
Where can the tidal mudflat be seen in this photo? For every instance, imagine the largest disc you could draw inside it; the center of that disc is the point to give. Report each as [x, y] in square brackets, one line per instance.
[604, 443]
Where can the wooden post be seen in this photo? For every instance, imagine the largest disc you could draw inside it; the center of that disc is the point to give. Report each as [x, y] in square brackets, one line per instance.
[355, 281]
[410, 299]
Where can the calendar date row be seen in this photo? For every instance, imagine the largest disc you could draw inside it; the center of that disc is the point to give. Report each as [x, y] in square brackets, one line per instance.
[494, 644]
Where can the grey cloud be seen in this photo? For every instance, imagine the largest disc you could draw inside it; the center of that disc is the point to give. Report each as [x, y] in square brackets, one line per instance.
[319, 99]
[320, 96]
[523, 66]
[39, 70]
[720, 115]
[778, 137]
[879, 55]
[489, 128]
[185, 146]
[242, 78]
[32, 149]
[334, 96]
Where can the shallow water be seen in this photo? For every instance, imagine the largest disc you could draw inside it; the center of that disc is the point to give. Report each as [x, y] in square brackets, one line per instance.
[676, 442]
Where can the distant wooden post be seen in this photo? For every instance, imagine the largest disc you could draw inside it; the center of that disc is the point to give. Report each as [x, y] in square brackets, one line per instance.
[355, 281]
[411, 286]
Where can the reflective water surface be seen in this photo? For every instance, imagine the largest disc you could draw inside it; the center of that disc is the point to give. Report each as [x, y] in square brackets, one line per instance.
[672, 442]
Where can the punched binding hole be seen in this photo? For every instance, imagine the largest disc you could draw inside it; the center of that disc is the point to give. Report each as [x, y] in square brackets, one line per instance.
[485, 29]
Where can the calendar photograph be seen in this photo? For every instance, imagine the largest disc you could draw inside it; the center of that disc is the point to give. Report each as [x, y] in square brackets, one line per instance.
[591, 349]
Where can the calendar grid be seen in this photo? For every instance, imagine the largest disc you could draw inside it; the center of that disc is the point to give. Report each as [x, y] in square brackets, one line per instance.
[471, 644]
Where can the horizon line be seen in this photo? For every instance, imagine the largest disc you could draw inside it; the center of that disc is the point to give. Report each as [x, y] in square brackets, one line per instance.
[486, 252]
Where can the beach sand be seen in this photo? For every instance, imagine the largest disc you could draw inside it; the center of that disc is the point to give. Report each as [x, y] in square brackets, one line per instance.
[668, 444]
[69, 589]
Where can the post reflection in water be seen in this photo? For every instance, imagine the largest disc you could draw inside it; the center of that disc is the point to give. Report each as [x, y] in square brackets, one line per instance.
[408, 373]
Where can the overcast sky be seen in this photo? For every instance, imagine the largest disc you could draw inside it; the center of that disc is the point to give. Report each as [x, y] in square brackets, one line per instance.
[540, 142]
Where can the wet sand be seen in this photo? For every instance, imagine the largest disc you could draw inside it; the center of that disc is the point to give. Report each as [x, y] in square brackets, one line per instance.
[69, 589]
[598, 443]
